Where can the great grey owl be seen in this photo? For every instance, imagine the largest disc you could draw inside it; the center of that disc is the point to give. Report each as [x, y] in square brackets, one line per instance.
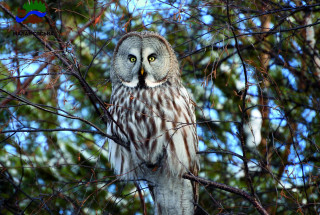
[153, 112]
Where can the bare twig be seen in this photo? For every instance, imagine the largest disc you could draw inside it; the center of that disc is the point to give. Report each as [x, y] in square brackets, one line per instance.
[230, 189]
[53, 130]
[143, 204]
[243, 108]
[43, 204]
[106, 116]
[26, 83]
[114, 138]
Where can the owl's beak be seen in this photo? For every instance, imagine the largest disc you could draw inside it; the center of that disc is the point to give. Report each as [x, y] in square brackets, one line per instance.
[142, 71]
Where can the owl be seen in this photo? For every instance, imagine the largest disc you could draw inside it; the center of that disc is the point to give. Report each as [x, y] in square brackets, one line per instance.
[154, 114]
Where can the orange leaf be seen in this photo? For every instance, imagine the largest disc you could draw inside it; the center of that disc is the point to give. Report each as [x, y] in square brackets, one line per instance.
[97, 20]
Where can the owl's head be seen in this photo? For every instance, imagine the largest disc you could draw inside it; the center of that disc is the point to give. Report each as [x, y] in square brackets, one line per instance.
[144, 59]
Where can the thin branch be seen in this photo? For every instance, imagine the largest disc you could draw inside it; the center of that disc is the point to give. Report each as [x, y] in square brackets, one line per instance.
[26, 83]
[24, 193]
[221, 152]
[53, 130]
[114, 138]
[106, 116]
[35, 75]
[267, 33]
[230, 189]
[91, 62]
[143, 204]
[243, 112]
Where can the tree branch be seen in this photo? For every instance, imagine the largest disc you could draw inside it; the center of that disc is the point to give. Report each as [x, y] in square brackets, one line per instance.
[230, 189]
[106, 116]
[243, 109]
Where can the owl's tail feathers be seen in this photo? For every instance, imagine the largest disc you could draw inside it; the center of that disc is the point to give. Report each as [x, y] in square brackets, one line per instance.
[173, 196]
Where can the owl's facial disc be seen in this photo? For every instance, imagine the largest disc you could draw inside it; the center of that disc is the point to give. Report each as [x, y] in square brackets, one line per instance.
[142, 62]
[127, 61]
[155, 61]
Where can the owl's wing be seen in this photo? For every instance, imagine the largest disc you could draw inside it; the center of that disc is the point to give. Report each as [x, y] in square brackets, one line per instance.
[119, 157]
[195, 169]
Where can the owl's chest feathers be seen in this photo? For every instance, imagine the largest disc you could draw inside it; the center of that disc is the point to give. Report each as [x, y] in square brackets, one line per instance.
[149, 114]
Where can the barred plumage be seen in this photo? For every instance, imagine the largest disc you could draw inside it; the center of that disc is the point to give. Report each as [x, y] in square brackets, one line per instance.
[157, 116]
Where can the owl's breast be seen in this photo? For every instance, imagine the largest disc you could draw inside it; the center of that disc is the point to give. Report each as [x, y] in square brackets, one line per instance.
[156, 120]
[143, 112]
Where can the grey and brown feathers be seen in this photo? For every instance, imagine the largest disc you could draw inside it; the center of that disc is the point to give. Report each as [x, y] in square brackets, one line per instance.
[154, 110]
[169, 62]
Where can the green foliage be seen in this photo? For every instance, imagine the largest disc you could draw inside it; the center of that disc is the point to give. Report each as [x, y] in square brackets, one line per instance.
[34, 5]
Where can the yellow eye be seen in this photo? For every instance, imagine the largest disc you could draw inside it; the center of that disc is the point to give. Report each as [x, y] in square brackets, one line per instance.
[132, 59]
[152, 58]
